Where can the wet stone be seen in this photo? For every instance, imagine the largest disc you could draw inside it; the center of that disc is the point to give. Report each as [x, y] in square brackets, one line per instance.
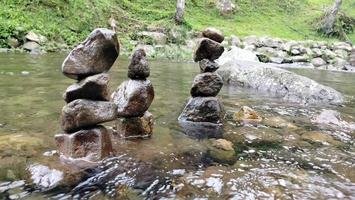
[247, 115]
[203, 109]
[135, 127]
[133, 98]
[84, 113]
[90, 144]
[138, 69]
[208, 49]
[93, 56]
[206, 84]
[92, 88]
[213, 34]
[208, 66]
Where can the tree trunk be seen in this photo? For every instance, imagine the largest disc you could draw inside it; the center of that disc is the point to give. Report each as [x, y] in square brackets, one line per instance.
[330, 18]
[180, 9]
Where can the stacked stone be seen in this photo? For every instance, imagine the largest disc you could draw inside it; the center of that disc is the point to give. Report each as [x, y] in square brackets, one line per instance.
[204, 106]
[88, 100]
[133, 98]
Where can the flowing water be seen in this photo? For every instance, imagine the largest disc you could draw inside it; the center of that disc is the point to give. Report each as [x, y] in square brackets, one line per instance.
[289, 156]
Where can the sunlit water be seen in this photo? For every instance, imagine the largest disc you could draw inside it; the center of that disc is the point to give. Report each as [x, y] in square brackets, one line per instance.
[286, 166]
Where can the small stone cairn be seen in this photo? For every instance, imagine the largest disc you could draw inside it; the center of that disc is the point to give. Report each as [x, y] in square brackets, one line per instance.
[87, 100]
[133, 98]
[204, 108]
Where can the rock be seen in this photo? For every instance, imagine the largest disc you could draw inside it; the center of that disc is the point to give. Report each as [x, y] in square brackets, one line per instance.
[31, 46]
[296, 59]
[317, 52]
[138, 68]
[267, 51]
[235, 41]
[201, 130]
[339, 63]
[13, 42]
[93, 56]
[83, 113]
[92, 88]
[270, 42]
[251, 40]
[222, 156]
[317, 62]
[225, 7]
[209, 49]
[208, 66]
[148, 49]
[223, 144]
[44, 177]
[318, 137]
[277, 60]
[343, 54]
[135, 127]
[4, 50]
[92, 144]
[213, 34]
[332, 118]
[328, 54]
[32, 36]
[295, 52]
[250, 48]
[206, 85]
[278, 122]
[202, 109]
[277, 82]
[237, 54]
[352, 57]
[133, 98]
[155, 37]
[342, 46]
[247, 115]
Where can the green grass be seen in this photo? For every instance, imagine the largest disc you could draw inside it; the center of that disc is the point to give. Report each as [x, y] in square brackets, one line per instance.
[69, 21]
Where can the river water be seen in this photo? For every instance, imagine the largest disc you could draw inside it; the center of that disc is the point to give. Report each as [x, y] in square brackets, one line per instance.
[300, 160]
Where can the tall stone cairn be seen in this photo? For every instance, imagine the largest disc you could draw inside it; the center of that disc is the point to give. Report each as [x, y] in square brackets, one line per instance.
[204, 106]
[133, 98]
[87, 100]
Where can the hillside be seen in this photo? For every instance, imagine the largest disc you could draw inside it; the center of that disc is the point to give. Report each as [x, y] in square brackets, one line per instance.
[68, 21]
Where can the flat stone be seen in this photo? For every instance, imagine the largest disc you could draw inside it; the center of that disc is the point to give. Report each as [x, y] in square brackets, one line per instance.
[30, 46]
[138, 69]
[133, 97]
[239, 54]
[92, 144]
[209, 49]
[213, 34]
[203, 109]
[135, 127]
[92, 88]
[93, 56]
[208, 66]
[83, 113]
[206, 85]
[32, 36]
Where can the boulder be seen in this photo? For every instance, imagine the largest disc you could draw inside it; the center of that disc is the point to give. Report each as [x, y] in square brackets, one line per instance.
[84, 113]
[31, 46]
[317, 62]
[277, 82]
[93, 56]
[235, 41]
[203, 109]
[138, 68]
[32, 36]
[238, 54]
[135, 127]
[251, 40]
[92, 144]
[208, 66]
[247, 115]
[206, 85]
[133, 98]
[93, 88]
[213, 34]
[209, 49]
[154, 37]
[225, 7]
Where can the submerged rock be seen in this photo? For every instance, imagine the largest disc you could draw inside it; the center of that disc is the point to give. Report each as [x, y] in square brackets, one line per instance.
[318, 137]
[93, 56]
[208, 66]
[83, 113]
[92, 144]
[133, 98]
[213, 34]
[93, 88]
[247, 115]
[221, 151]
[223, 144]
[206, 85]
[138, 69]
[135, 127]
[209, 49]
[278, 82]
[201, 130]
[203, 109]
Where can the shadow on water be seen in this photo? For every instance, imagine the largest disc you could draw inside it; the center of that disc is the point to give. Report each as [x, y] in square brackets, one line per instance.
[287, 156]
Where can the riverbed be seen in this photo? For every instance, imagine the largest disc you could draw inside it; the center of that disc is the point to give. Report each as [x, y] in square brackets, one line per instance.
[282, 163]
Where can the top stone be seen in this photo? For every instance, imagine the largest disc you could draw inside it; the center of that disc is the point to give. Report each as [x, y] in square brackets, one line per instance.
[213, 34]
[208, 49]
[138, 69]
[93, 56]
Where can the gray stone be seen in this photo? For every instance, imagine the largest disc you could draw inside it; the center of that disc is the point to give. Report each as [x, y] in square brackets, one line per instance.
[276, 60]
[138, 68]
[206, 85]
[133, 98]
[295, 52]
[270, 42]
[225, 7]
[13, 42]
[92, 88]
[208, 66]
[341, 53]
[278, 82]
[239, 54]
[32, 36]
[352, 58]
[93, 56]
[317, 52]
[209, 49]
[148, 49]
[135, 127]
[203, 109]
[328, 54]
[317, 62]
[83, 113]
[156, 37]
[251, 40]
[235, 41]
[343, 46]
[213, 34]
[250, 47]
[31, 46]
[302, 58]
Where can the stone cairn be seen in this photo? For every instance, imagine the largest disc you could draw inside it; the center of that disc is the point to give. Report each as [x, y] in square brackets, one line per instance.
[204, 112]
[87, 100]
[133, 98]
